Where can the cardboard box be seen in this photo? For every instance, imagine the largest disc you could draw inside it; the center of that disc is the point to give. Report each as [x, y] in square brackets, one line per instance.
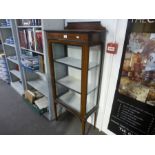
[30, 96]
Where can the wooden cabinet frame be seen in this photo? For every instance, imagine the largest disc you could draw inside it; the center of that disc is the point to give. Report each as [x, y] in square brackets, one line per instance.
[84, 35]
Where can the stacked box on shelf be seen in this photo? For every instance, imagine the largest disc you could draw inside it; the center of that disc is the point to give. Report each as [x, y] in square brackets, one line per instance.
[37, 100]
[3, 70]
[5, 22]
[30, 62]
[9, 40]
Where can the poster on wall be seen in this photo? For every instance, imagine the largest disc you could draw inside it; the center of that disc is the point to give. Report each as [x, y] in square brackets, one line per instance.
[133, 110]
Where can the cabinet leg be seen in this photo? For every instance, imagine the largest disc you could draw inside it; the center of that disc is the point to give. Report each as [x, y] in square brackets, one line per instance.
[95, 118]
[55, 111]
[83, 126]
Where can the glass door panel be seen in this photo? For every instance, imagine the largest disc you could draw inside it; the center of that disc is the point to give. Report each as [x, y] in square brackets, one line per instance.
[67, 67]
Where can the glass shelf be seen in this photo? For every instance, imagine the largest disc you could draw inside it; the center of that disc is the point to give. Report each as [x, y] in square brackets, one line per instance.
[73, 101]
[74, 84]
[74, 62]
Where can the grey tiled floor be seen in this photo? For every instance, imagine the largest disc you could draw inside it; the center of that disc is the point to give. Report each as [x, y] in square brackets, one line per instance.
[17, 118]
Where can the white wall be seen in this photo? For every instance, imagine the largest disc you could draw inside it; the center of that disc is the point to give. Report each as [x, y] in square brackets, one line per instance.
[116, 30]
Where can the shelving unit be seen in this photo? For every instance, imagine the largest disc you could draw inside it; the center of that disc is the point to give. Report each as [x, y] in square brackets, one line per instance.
[22, 77]
[76, 60]
[3, 66]
[37, 79]
[11, 49]
[32, 75]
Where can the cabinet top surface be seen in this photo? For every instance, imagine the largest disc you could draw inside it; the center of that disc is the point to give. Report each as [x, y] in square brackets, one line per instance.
[81, 27]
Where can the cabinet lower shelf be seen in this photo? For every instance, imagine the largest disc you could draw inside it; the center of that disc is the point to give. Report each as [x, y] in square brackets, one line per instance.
[73, 100]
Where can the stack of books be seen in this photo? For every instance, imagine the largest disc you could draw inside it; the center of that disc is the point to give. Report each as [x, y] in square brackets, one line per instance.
[29, 22]
[4, 75]
[9, 40]
[39, 44]
[26, 37]
[30, 62]
[42, 103]
[5, 22]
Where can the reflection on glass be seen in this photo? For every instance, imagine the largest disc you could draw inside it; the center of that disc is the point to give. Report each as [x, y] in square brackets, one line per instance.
[68, 67]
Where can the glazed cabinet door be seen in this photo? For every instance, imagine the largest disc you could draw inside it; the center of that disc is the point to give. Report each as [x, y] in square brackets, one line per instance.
[67, 64]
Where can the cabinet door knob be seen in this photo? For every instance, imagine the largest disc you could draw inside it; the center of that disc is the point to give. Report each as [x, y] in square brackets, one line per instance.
[77, 37]
[65, 36]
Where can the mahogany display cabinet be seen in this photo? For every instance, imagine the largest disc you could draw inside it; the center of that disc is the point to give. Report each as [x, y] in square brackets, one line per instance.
[76, 60]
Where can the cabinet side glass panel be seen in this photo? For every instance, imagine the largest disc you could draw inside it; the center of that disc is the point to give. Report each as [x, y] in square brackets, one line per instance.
[93, 76]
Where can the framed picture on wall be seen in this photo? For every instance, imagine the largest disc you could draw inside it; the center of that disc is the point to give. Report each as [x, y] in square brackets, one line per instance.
[133, 110]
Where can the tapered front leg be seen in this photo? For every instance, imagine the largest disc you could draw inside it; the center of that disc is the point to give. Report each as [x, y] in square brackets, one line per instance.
[55, 111]
[83, 126]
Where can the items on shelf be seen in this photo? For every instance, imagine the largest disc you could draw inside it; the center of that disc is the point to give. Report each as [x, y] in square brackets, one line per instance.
[37, 101]
[1, 48]
[30, 39]
[42, 103]
[41, 64]
[31, 96]
[4, 75]
[30, 62]
[39, 44]
[5, 22]
[9, 40]
[29, 22]
[26, 38]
